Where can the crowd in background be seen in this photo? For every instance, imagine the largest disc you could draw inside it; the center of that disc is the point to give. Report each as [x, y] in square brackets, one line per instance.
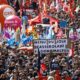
[23, 65]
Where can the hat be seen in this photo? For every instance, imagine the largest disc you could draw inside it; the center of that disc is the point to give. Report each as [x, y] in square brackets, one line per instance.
[51, 72]
[50, 78]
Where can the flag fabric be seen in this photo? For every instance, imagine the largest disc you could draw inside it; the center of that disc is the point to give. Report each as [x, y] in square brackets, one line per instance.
[69, 8]
[35, 20]
[72, 5]
[11, 42]
[44, 12]
[72, 8]
[41, 77]
[66, 7]
[57, 75]
[27, 40]
[43, 67]
[68, 78]
[71, 15]
[44, 78]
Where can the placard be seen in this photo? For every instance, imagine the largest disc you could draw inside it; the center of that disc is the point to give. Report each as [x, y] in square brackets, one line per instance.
[63, 24]
[54, 46]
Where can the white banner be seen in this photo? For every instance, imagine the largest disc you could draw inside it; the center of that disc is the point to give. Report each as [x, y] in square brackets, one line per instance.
[54, 46]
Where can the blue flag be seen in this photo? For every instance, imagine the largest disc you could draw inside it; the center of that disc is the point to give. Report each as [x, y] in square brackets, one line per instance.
[27, 40]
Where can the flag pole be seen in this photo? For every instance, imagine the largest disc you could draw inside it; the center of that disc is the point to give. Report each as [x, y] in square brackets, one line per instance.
[39, 63]
[65, 32]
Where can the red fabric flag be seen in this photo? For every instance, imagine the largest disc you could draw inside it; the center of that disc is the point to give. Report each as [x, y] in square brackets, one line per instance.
[41, 77]
[44, 78]
[35, 20]
[68, 78]
[57, 75]
[72, 8]
[72, 5]
[72, 15]
[43, 67]
[66, 7]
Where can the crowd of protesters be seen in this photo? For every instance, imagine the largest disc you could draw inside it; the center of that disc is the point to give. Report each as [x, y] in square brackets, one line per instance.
[23, 65]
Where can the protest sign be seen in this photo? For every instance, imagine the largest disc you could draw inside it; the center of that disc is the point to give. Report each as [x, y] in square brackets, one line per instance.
[54, 46]
[63, 23]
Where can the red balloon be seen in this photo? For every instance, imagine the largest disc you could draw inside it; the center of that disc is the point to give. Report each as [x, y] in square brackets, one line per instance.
[5, 11]
[13, 21]
[3, 2]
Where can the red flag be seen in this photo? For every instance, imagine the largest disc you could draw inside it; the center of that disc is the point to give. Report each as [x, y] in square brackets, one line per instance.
[66, 7]
[35, 20]
[57, 75]
[72, 5]
[68, 78]
[72, 15]
[72, 8]
[43, 67]
[41, 77]
[44, 78]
